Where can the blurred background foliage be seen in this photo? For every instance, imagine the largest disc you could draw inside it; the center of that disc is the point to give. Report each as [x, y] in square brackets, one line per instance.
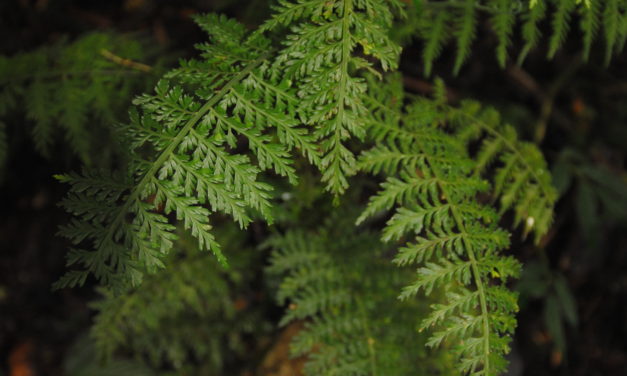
[573, 290]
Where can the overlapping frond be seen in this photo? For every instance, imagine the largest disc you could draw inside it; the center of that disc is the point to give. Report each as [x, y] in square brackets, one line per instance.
[438, 21]
[191, 310]
[325, 56]
[184, 143]
[435, 185]
[74, 91]
[184, 290]
[334, 279]
[521, 180]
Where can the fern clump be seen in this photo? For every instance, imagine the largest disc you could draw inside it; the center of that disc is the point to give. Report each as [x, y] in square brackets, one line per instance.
[436, 184]
[260, 109]
[68, 87]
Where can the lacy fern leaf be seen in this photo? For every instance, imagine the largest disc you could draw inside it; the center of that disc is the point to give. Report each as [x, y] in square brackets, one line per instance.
[335, 280]
[192, 310]
[320, 58]
[458, 243]
[435, 19]
[521, 180]
[67, 86]
[183, 141]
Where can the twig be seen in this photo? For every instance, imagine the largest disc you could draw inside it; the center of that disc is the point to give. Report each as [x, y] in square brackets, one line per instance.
[125, 62]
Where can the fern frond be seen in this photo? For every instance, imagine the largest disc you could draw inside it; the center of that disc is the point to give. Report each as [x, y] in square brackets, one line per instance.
[333, 278]
[560, 24]
[435, 34]
[589, 24]
[465, 34]
[530, 30]
[436, 19]
[182, 141]
[458, 243]
[503, 23]
[317, 287]
[192, 311]
[320, 58]
[612, 21]
[65, 87]
[521, 178]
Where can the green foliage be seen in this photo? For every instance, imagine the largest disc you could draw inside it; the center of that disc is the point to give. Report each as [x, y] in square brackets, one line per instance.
[521, 180]
[436, 185]
[83, 361]
[189, 311]
[184, 142]
[72, 89]
[436, 21]
[324, 56]
[338, 282]
[256, 111]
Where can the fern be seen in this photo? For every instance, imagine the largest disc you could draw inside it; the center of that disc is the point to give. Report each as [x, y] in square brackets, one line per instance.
[530, 30]
[521, 180]
[436, 34]
[192, 311]
[63, 88]
[503, 23]
[437, 18]
[340, 286]
[560, 23]
[589, 13]
[466, 33]
[217, 129]
[613, 17]
[320, 58]
[183, 141]
[436, 184]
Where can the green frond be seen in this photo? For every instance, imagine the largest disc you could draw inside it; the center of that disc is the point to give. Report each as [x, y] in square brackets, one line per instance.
[441, 22]
[433, 274]
[184, 140]
[522, 181]
[74, 91]
[589, 24]
[461, 300]
[530, 29]
[333, 280]
[465, 34]
[400, 191]
[435, 34]
[611, 22]
[560, 24]
[193, 313]
[457, 242]
[503, 23]
[321, 59]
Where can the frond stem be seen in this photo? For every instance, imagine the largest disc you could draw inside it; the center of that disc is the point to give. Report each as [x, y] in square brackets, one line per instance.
[475, 271]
